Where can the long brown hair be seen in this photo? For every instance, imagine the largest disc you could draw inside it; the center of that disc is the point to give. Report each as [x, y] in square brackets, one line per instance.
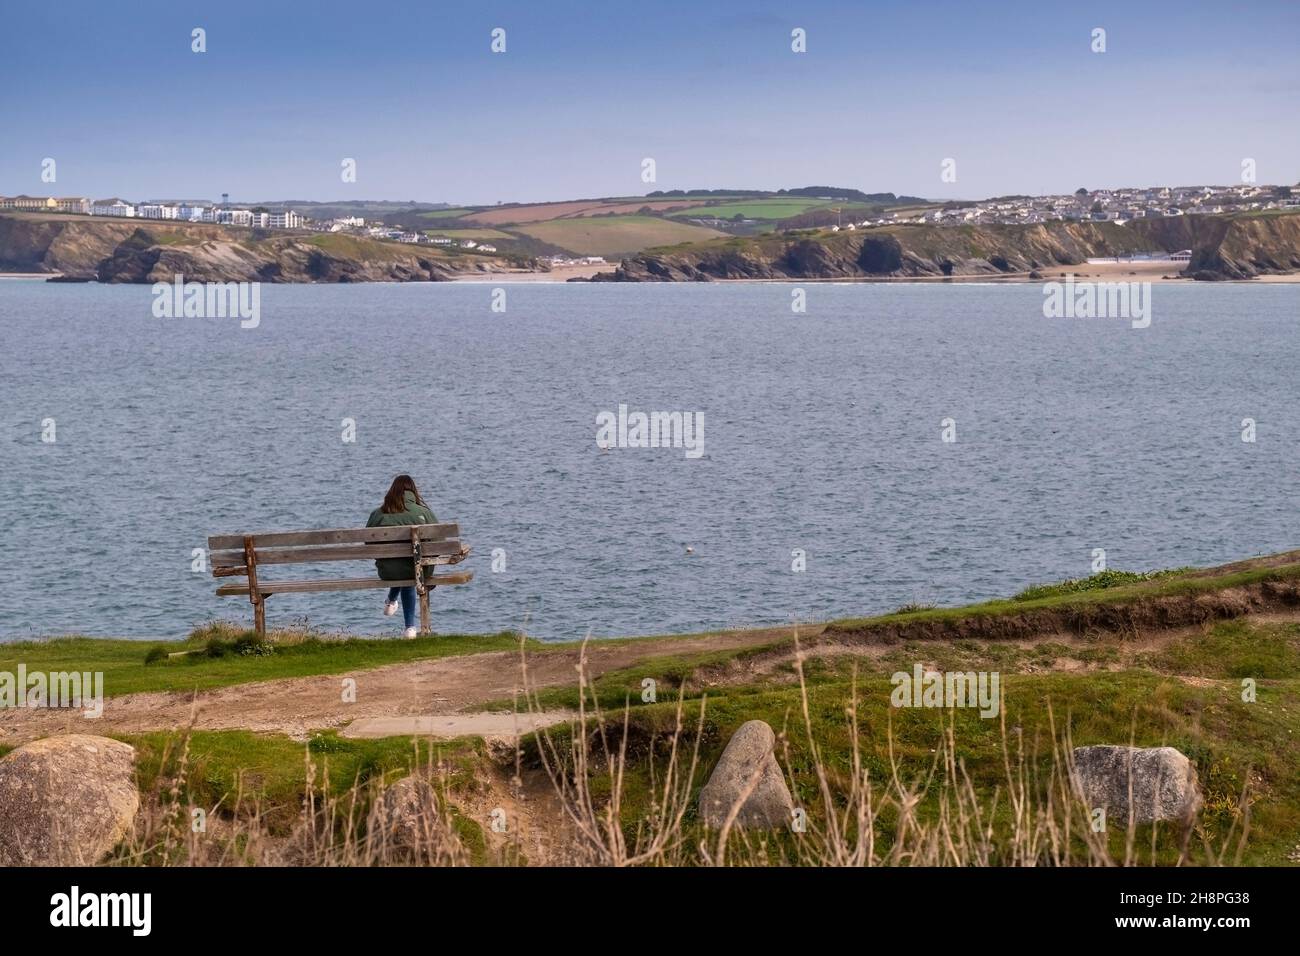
[395, 500]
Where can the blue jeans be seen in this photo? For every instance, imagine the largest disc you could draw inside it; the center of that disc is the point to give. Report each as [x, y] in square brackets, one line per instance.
[408, 602]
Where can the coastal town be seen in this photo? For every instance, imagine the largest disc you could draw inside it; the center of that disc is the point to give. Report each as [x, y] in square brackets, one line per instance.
[584, 237]
[224, 214]
[1096, 205]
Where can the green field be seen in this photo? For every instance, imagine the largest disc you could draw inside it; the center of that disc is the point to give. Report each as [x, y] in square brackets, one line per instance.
[753, 209]
[477, 234]
[613, 236]
[355, 247]
[454, 213]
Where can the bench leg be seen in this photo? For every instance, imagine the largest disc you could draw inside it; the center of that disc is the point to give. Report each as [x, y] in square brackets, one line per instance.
[424, 610]
[254, 595]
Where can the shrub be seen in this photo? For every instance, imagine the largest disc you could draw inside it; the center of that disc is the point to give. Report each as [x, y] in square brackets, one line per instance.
[1094, 582]
[246, 645]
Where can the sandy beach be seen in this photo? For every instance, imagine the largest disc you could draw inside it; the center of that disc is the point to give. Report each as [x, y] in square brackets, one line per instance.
[557, 274]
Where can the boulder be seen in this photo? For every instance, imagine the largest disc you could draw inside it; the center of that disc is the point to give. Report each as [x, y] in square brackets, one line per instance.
[66, 801]
[1165, 786]
[749, 754]
[406, 817]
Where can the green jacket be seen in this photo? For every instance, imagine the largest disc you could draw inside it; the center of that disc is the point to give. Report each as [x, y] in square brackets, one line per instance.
[399, 569]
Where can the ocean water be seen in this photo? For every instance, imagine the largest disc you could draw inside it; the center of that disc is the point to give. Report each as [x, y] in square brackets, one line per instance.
[822, 435]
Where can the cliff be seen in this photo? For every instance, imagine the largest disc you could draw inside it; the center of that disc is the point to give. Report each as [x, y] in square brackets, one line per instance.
[1223, 247]
[148, 251]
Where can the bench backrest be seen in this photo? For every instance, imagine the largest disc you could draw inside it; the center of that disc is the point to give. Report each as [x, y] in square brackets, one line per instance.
[227, 551]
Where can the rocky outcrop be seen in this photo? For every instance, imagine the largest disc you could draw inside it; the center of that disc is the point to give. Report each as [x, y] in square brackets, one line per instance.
[1162, 781]
[1223, 247]
[66, 801]
[281, 260]
[406, 820]
[66, 245]
[127, 251]
[748, 766]
[1250, 246]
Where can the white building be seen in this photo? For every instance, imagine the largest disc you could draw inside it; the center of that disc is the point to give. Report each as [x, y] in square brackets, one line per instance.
[233, 217]
[157, 211]
[112, 207]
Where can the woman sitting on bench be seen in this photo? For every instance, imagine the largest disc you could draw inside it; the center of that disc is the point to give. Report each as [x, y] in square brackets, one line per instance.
[402, 505]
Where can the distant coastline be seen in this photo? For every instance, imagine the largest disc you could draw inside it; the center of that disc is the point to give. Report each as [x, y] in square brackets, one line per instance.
[1231, 246]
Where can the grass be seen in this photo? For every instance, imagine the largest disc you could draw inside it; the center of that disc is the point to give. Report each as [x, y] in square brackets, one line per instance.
[912, 779]
[270, 801]
[226, 766]
[353, 247]
[754, 209]
[1234, 650]
[125, 671]
[458, 233]
[613, 235]
[1236, 746]
[836, 727]
[1068, 595]
[455, 213]
[1095, 582]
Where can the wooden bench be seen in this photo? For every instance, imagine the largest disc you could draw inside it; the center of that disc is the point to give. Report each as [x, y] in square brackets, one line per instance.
[244, 555]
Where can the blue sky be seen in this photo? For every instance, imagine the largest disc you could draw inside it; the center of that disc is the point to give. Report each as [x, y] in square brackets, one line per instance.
[711, 91]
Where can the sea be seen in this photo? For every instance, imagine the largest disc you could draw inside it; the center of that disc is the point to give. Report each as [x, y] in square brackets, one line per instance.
[890, 444]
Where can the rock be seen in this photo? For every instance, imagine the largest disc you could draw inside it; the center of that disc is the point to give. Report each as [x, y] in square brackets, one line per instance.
[66, 801]
[1164, 782]
[406, 817]
[749, 752]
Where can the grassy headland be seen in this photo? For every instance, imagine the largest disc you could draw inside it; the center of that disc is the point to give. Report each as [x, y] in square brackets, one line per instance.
[1150, 659]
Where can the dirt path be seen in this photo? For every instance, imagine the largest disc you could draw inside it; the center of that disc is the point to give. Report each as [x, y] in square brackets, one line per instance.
[444, 687]
[439, 697]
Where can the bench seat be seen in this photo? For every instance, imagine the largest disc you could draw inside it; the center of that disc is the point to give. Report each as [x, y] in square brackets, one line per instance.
[427, 545]
[343, 584]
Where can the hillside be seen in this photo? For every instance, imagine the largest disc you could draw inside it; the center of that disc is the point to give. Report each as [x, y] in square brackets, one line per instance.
[1237, 246]
[113, 250]
[622, 226]
[137, 250]
[1156, 658]
[664, 240]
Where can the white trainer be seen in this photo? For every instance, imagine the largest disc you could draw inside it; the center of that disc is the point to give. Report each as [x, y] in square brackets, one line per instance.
[390, 608]
[409, 633]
